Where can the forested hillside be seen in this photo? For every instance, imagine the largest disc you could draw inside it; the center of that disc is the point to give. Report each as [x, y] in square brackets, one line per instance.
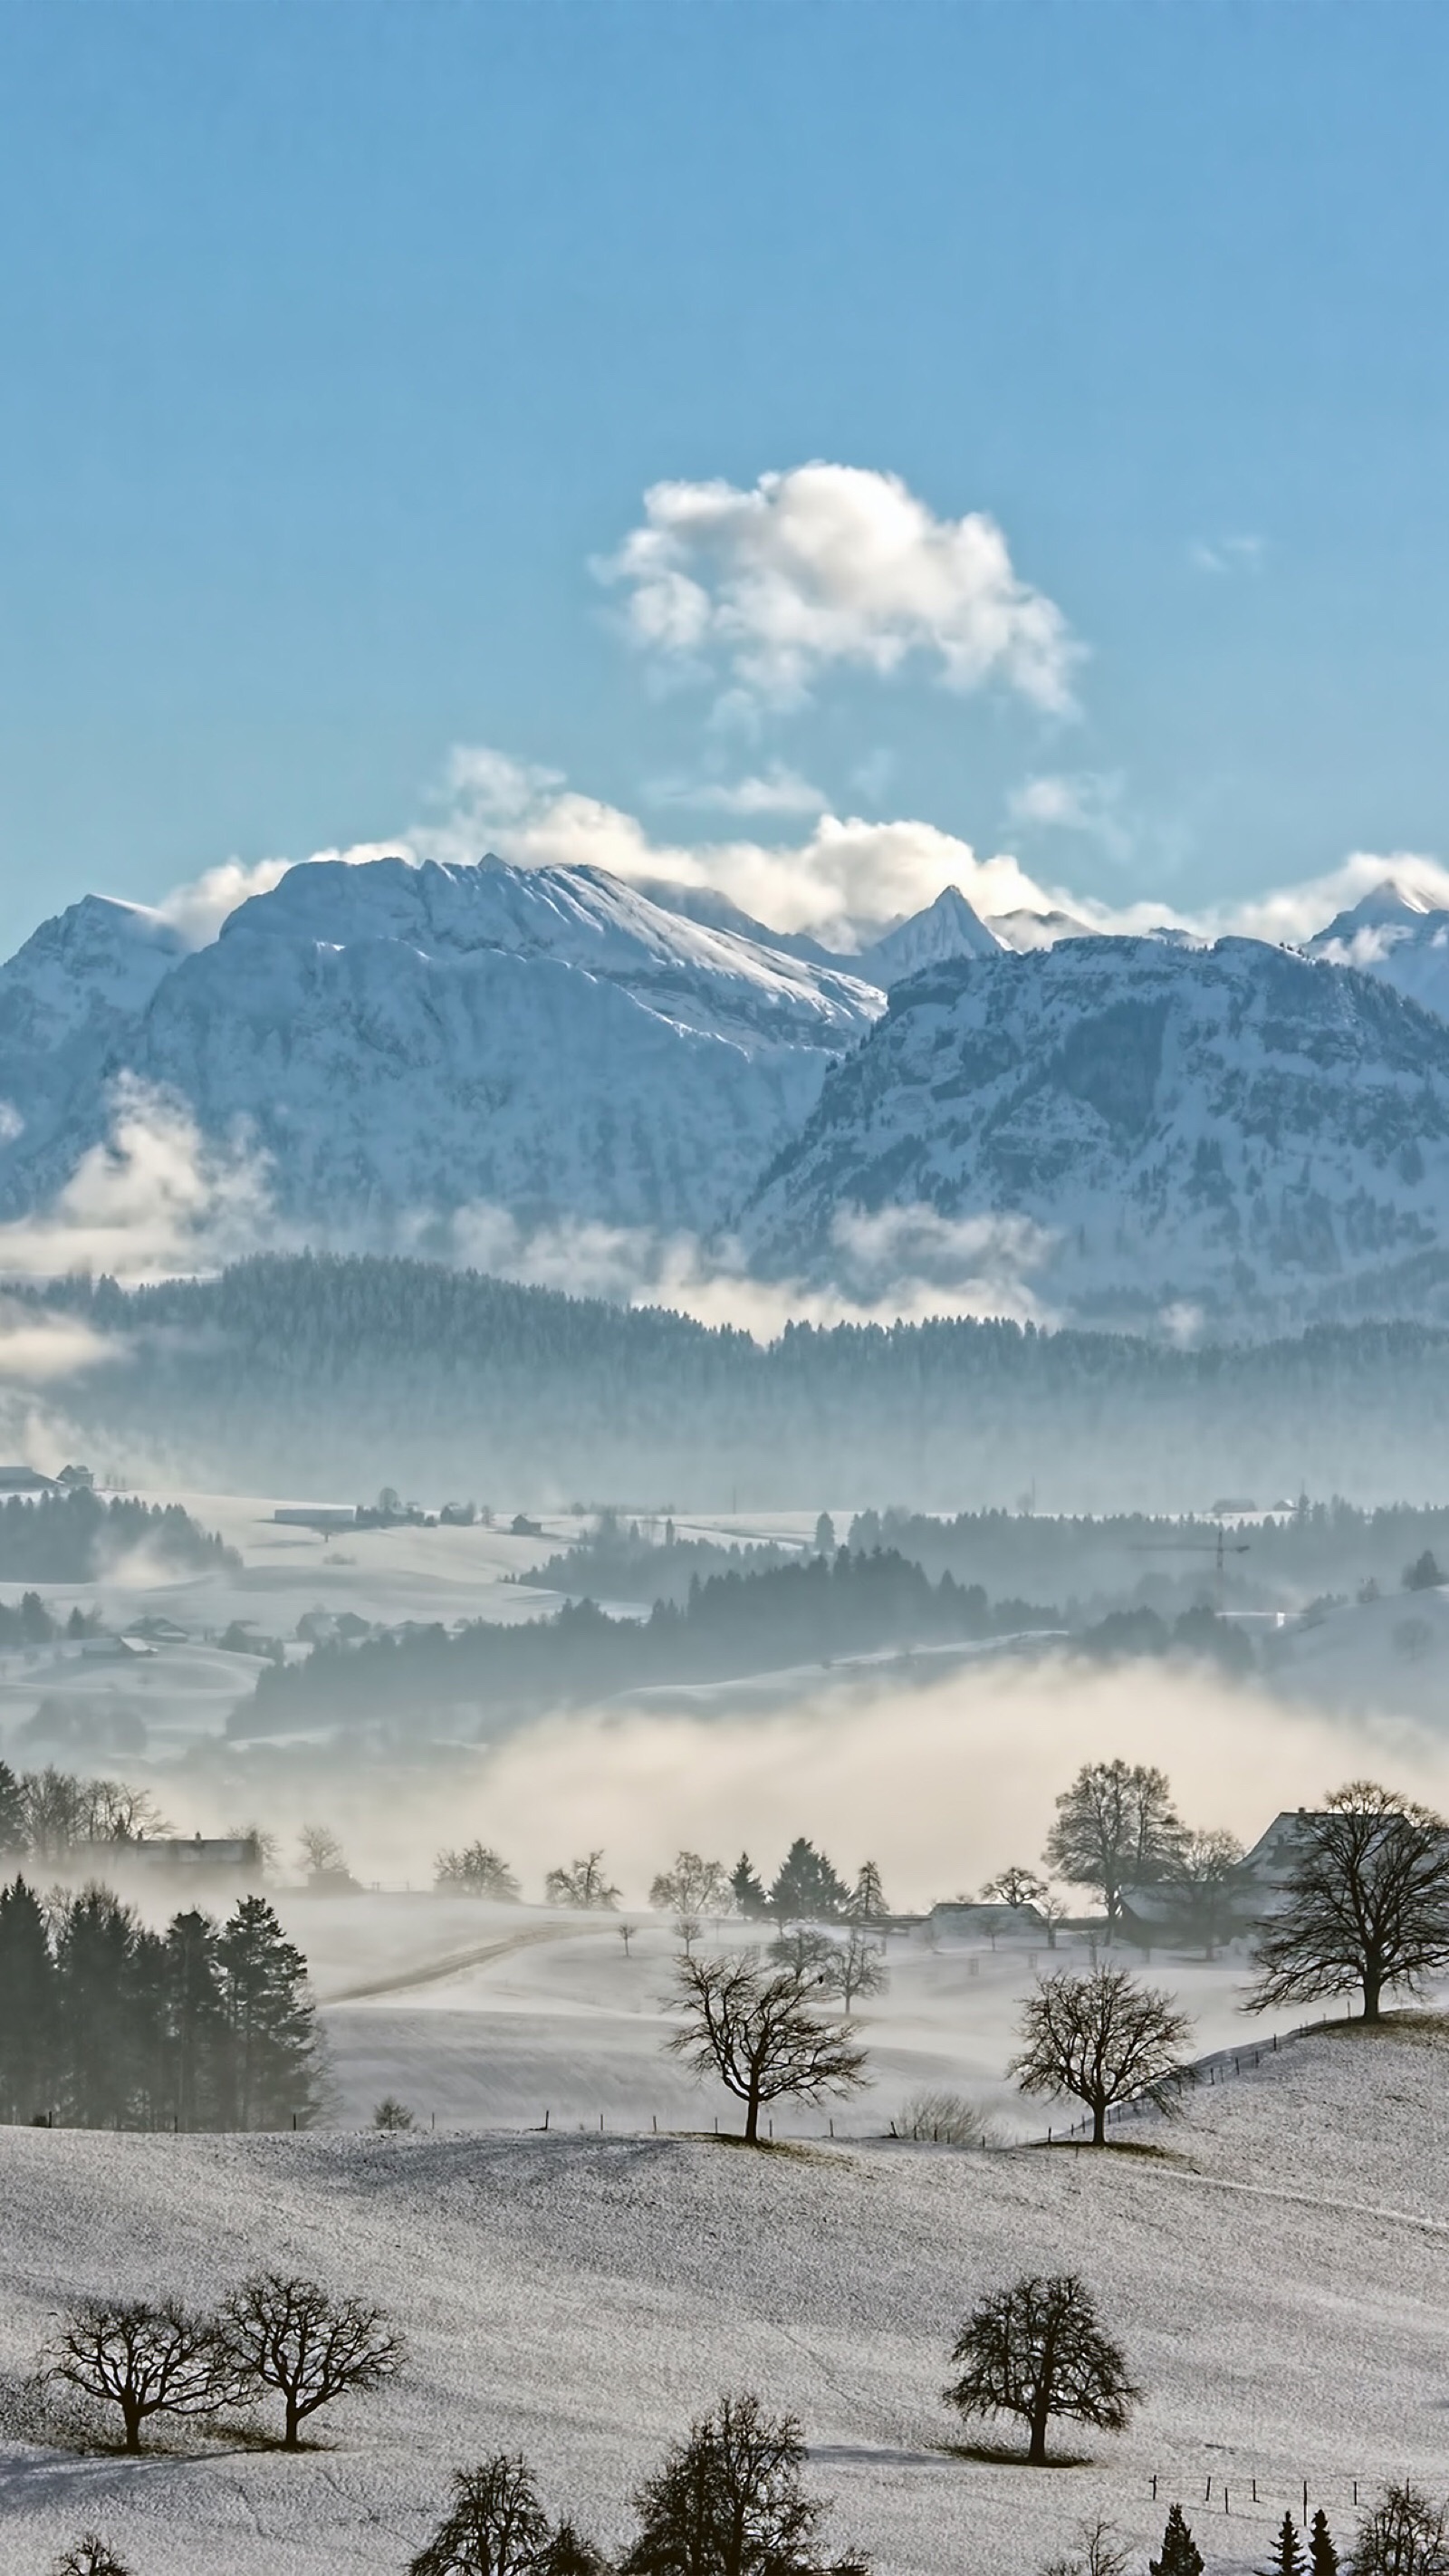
[730, 1626]
[1276, 1562]
[73, 1537]
[318, 1373]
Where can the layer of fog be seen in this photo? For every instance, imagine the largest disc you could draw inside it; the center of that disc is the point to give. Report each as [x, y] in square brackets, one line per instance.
[941, 1785]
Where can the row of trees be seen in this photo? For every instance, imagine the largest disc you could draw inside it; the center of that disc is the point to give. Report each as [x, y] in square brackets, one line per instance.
[805, 1889]
[45, 1815]
[728, 2500]
[276, 2334]
[105, 2023]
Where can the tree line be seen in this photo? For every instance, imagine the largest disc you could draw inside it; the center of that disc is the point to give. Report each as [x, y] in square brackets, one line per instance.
[107, 2024]
[729, 1625]
[329, 1370]
[73, 1537]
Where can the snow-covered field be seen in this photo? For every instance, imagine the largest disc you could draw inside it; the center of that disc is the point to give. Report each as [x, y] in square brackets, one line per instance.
[1279, 2279]
[500, 2014]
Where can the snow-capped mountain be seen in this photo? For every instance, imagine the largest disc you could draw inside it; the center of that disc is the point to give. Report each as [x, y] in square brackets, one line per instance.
[1148, 1127]
[402, 1040]
[948, 928]
[1398, 935]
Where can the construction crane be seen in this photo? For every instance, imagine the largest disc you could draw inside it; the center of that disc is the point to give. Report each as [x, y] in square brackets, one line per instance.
[1218, 1548]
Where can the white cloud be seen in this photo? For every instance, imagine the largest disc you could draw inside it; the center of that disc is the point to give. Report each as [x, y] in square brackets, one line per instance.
[1086, 801]
[845, 876]
[778, 791]
[833, 565]
[1227, 555]
[198, 910]
[154, 1199]
[36, 1347]
[1289, 914]
[893, 1265]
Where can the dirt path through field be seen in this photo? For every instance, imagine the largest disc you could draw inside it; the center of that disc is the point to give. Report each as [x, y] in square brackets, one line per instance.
[436, 1969]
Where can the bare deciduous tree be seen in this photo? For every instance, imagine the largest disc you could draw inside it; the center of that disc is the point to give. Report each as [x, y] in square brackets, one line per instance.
[1014, 1886]
[145, 2358]
[476, 1870]
[692, 1886]
[1366, 1903]
[321, 1853]
[289, 2335]
[1036, 2350]
[582, 1884]
[90, 2556]
[1404, 2535]
[728, 2502]
[497, 2527]
[855, 1966]
[1099, 2552]
[803, 1952]
[1205, 1890]
[759, 2032]
[1115, 1829]
[1102, 2039]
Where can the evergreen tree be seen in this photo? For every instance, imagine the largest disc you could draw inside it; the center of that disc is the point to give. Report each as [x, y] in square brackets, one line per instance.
[272, 2049]
[1181, 2555]
[12, 1811]
[1287, 2558]
[867, 1903]
[95, 1952]
[1322, 2555]
[747, 1889]
[195, 2022]
[807, 1888]
[27, 2005]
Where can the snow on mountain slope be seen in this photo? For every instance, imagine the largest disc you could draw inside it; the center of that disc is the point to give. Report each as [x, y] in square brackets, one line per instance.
[1233, 1129]
[1398, 935]
[947, 928]
[403, 1040]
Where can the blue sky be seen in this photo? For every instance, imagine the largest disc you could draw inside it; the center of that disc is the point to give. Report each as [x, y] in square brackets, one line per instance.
[343, 342]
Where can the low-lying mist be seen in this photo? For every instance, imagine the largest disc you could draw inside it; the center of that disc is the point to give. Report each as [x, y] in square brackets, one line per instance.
[942, 1785]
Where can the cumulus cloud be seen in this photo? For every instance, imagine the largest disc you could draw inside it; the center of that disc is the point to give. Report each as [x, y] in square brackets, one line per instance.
[833, 566]
[197, 910]
[1289, 914]
[847, 877]
[154, 1199]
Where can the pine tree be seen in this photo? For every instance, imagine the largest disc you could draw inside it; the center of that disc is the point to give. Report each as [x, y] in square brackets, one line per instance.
[1287, 2558]
[1181, 2555]
[748, 1891]
[272, 2050]
[195, 2022]
[12, 1811]
[95, 1953]
[27, 2005]
[1322, 2555]
[807, 1888]
[868, 1898]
